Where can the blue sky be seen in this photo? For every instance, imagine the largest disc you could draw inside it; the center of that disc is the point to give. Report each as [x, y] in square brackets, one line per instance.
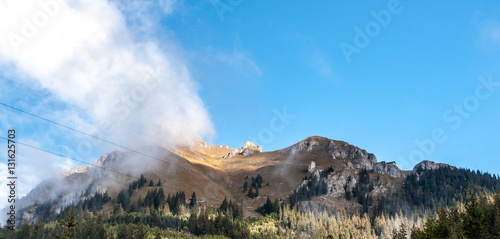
[423, 62]
[272, 72]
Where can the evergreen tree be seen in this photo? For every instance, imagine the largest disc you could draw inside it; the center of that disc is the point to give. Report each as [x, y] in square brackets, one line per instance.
[193, 200]
[245, 186]
[473, 221]
[123, 232]
[140, 233]
[142, 181]
[159, 182]
[69, 224]
[399, 234]
[224, 205]
[124, 199]
[151, 183]
[258, 181]
[251, 193]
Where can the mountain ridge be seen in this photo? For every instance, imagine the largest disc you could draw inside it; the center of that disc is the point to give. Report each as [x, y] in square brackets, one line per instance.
[203, 168]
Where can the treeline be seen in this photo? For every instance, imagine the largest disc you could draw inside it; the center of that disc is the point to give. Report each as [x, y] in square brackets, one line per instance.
[431, 189]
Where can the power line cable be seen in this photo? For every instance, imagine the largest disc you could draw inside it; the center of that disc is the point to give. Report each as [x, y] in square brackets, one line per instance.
[67, 157]
[89, 135]
[81, 109]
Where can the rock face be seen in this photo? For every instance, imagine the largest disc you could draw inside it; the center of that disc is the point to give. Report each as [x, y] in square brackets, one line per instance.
[388, 168]
[428, 165]
[84, 168]
[337, 150]
[338, 183]
[231, 154]
[29, 213]
[248, 149]
[247, 152]
[248, 144]
[312, 167]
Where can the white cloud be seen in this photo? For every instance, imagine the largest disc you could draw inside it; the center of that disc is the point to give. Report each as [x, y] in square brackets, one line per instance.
[3, 181]
[84, 53]
[32, 167]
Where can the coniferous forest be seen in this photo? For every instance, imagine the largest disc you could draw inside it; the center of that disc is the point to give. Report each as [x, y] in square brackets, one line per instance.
[441, 203]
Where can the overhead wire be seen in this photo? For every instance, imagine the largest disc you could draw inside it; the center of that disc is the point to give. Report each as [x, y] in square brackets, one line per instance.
[80, 108]
[92, 136]
[67, 157]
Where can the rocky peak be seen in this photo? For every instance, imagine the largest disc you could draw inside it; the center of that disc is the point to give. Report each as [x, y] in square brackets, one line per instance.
[337, 150]
[428, 165]
[84, 168]
[248, 149]
[248, 144]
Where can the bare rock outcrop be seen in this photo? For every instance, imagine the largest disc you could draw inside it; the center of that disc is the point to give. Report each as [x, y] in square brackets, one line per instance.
[84, 168]
[390, 169]
[248, 149]
[337, 150]
[428, 165]
[312, 167]
[339, 183]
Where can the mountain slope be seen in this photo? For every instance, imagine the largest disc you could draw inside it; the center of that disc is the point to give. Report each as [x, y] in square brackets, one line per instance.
[350, 178]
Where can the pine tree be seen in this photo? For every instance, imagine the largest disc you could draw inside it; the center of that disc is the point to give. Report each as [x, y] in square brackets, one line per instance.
[224, 205]
[140, 233]
[267, 208]
[245, 186]
[151, 183]
[276, 206]
[250, 193]
[401, 234]
[193, 200]
[473, 222]
[258, 180]
[69, 224]
[159, 182]
[123, 232]
[142, 181]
